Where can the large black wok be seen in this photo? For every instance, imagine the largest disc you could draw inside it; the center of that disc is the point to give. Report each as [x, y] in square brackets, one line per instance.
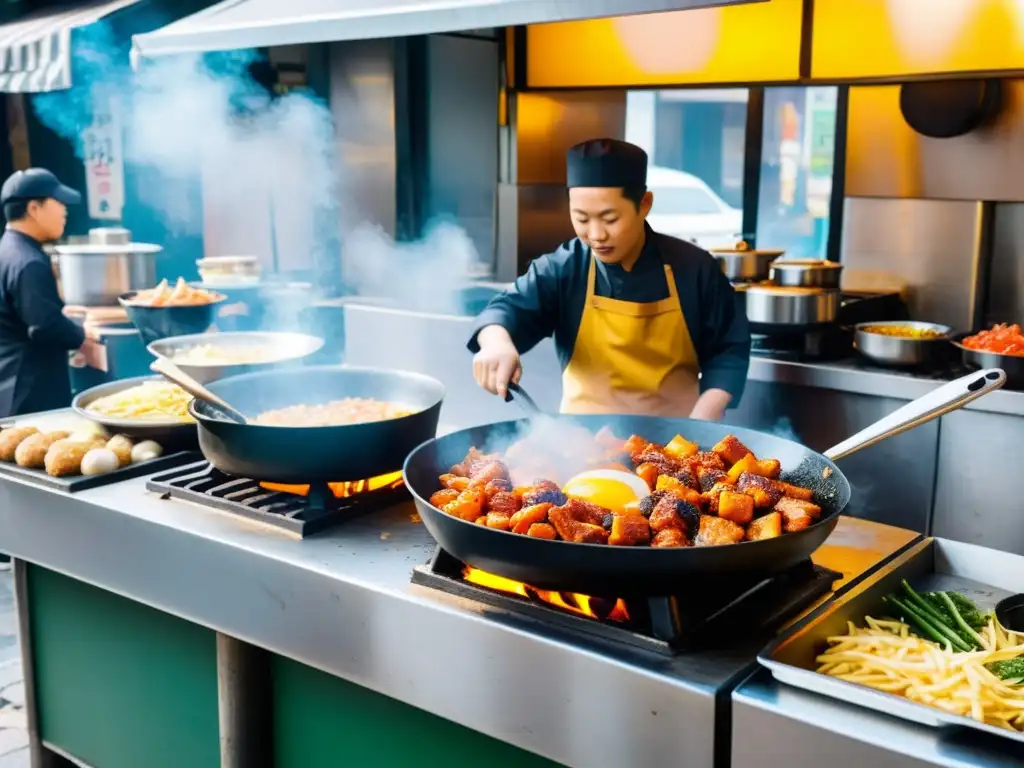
[303, 455]
[617, 571]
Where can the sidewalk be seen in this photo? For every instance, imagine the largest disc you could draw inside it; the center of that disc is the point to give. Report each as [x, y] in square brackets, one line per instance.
[13, 737]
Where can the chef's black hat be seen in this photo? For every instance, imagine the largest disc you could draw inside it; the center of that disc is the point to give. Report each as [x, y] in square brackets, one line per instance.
[606, 163]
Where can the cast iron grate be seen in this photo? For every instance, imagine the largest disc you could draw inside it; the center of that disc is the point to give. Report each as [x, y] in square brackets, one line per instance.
[665, 625]
[306, 515]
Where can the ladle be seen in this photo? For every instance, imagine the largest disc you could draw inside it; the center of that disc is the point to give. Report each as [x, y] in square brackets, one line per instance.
[174, 374]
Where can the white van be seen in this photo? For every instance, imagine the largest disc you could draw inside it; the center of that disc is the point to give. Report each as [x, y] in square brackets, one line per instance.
[687, 208]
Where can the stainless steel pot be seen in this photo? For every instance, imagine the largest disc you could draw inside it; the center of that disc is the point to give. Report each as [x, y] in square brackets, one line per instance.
[746, 265]
[780, 305]
[95, 273]
[901, 350]
[806, 273]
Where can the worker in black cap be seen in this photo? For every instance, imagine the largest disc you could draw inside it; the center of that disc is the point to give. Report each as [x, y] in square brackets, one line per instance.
[643, 323]
[35, 336]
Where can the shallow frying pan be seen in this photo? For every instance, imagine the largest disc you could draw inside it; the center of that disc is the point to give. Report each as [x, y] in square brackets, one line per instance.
[300, 455]
[597, 569]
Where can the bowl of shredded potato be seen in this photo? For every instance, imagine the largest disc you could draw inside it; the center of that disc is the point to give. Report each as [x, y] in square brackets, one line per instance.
[208, 357]
[144, 407]
[166, 311]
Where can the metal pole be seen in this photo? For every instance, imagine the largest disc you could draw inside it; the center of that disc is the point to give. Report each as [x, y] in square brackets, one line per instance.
[244, 704]
[38, 755]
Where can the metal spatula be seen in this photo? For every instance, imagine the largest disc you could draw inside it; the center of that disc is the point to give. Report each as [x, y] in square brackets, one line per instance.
[174, 374]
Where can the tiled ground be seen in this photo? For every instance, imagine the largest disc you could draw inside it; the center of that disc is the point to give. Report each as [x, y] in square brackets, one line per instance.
[13, 737]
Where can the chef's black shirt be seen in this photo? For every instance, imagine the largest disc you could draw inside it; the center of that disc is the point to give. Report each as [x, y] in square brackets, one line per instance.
[35, 336]
[549, 300]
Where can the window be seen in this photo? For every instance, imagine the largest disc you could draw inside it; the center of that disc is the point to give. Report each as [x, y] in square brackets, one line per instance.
[684, 200]
[797, 160]
[695, 140]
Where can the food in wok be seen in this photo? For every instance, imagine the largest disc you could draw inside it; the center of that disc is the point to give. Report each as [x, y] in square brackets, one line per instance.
[337, 413]
[674, 495]
[212, 354]
[908, 331]
[1001, 338]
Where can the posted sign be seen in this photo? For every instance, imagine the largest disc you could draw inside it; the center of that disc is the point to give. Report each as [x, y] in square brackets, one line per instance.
[104, 164]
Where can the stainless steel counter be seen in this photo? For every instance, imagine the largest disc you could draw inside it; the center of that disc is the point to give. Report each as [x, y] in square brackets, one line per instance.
[856, 377]
[342, 602]
[776, 725]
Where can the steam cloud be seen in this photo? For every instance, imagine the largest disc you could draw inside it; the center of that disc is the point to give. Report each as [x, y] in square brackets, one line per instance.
[186, 115]
[548, 448]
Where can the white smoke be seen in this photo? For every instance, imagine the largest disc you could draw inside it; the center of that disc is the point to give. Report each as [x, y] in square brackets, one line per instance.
[267, 166]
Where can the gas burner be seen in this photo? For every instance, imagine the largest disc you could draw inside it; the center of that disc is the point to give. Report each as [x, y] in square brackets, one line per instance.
[665, 625]
[300, 510]
[829, 343]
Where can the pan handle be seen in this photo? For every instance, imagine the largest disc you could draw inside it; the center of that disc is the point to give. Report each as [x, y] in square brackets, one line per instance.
[949, 397]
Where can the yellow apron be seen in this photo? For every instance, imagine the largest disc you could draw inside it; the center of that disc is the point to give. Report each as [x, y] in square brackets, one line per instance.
[632, 358]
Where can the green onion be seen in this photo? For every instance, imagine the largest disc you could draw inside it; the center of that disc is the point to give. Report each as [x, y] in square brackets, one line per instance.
[964, 626]
[924, 607]
[939, 632]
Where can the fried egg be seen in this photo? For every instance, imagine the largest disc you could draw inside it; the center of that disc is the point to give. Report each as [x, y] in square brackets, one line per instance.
[610, 488]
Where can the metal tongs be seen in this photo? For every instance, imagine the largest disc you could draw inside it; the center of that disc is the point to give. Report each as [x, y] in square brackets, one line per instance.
[523, 400]
[175, 375]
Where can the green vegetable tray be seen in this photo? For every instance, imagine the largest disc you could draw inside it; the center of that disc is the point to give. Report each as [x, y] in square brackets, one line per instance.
[984, 576]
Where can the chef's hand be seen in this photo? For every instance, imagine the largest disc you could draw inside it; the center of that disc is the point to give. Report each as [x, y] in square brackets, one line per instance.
[497, 363]
[91, 354]
[711, 405]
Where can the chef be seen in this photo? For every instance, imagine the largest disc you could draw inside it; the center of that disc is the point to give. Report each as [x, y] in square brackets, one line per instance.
[643, 323]
[35, 336]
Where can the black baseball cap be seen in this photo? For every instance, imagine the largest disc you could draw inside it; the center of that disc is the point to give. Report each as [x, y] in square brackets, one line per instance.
[37, 184]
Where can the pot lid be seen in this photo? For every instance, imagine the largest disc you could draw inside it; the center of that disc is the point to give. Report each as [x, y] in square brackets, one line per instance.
[806, 264]
[95, 249]
[789, 290]
[110, 236]
[214, 260]
[742, 249]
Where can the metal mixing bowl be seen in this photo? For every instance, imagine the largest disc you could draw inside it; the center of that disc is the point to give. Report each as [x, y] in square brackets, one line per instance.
[172, 435]
[283, 349]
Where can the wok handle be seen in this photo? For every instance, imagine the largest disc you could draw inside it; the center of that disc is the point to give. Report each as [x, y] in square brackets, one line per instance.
[941, 400]
[175, 375]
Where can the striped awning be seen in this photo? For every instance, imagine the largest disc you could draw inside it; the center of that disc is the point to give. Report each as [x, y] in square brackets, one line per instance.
[35, 52]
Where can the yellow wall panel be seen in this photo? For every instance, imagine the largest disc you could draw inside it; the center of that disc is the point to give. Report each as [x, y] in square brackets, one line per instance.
[890, 38]
[759, 42]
